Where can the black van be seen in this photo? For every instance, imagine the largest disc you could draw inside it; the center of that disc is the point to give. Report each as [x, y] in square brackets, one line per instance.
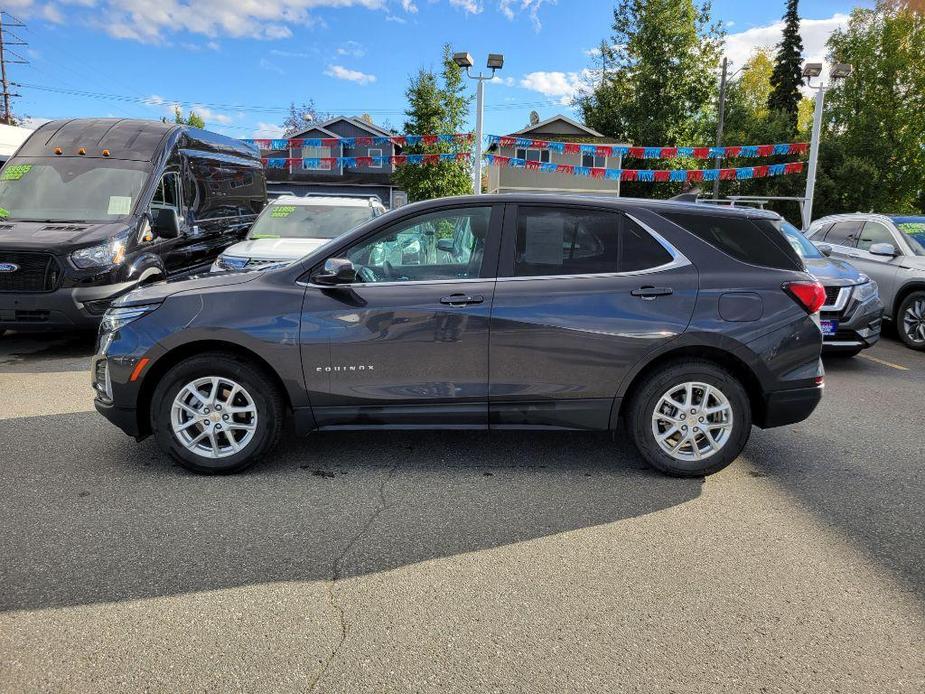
[91, 208]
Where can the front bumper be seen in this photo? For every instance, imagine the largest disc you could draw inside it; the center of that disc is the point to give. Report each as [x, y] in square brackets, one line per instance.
[64, 308]
[858, 327]
[123, 417]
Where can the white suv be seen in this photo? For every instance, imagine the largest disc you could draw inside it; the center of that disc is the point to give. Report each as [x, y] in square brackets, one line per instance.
[890, 249]
[290, 227]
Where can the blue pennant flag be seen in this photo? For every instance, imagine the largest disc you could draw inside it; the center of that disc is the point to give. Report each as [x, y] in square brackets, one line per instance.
[558, 147]
[651, 153]
[745, 172]
[748, 151]
[685, 152]
[645, 175]
[276, 163]
[781, 149]
[523, 142]
[776, 169]
[312, 142]
[413, 140]
[678, 175]
[380, 161]
[490, 159]
[415, 159]
[548, 167]
[348, 162]
[710, 174]
[516, 163]
[613, 174]
[279, 144]
[717, 152]
[589, 149]
[582, 171]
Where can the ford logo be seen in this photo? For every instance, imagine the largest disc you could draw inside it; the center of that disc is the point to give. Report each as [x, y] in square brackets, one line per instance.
[8, 267]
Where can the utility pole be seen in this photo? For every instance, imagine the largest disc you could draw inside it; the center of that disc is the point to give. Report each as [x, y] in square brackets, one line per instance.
[720, 123]
[6, 21]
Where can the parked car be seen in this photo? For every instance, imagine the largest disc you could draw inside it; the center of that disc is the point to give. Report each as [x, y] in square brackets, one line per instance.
[891, 250]
[91, 208]
[851, 316]
[688, 323]
[290, 227]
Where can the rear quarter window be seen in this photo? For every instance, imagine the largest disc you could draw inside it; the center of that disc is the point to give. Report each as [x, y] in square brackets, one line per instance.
[744, 239]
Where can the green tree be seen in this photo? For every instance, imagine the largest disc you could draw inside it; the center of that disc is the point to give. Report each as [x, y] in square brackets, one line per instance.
[193, 119]
[787, 77]
[655, 82]
[874, 123]
[437, 105]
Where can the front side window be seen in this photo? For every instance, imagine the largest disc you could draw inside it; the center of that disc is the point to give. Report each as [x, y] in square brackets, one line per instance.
[564, 241]
[800, 243]
[444, 245]
[874, 232]
[167, 194]
[71, 189]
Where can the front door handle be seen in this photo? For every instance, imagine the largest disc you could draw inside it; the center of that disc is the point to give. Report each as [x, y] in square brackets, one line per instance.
[461, 300]
[649, 293]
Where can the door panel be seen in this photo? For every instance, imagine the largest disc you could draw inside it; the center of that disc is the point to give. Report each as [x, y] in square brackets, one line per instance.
[562, 344]
[882, 269]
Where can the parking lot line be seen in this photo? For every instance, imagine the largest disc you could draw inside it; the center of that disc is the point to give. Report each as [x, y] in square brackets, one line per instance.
[883, 362]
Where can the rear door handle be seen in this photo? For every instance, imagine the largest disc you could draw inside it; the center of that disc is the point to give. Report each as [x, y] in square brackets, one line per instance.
[461, 300]
[650, 293]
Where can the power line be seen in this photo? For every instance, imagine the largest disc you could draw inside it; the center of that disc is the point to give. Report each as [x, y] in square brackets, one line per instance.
[8, 38]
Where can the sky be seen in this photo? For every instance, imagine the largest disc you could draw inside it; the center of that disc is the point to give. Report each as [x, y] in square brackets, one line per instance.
[240, 63]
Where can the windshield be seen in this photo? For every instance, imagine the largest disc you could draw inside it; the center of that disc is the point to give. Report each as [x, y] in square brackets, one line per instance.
[800, 243]
[308, 221]
[914, 230]
[70, 189]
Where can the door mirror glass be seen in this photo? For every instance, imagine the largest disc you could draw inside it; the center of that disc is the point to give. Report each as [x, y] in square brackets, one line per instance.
[165, 222]
[887, 249]
[336, 271]
[825, 249]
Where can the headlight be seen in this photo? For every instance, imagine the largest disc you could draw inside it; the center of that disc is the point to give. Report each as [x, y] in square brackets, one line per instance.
[863, 292]
[121, 316]
[104, 255]
[231, 262]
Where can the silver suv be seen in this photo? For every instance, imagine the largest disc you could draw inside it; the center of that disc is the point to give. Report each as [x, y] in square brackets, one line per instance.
[890, 249]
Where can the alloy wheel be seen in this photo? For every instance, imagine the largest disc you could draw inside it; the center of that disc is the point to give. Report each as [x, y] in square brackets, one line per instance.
[213, 417]
[692, 421]
[914, 321]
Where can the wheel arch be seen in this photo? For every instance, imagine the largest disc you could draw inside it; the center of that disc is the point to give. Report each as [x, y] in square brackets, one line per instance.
[903, 292]
[191, 349]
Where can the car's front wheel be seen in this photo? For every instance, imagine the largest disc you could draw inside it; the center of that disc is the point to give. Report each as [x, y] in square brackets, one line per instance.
[911, 323]
[216, 413]
[690, 419]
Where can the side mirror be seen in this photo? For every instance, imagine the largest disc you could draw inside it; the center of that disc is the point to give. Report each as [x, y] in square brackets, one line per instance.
[887, 249]
[336, 271]
[165, 223]
[825, 249]
[445, 245]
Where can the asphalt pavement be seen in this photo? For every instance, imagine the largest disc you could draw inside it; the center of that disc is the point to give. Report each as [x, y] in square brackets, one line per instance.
[462, 562]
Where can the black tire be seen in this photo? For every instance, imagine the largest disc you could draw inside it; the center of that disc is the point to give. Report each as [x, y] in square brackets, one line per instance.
[647, 396]
[901, 317]
[258, 386]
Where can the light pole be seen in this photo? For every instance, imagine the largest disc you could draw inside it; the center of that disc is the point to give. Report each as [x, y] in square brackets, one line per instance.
[811, 70]
[721, 121]
[495, 62]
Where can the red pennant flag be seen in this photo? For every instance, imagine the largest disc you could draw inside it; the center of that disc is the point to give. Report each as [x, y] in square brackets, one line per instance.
[662, 175]
[598, 172]
[265, 161]
[701, 153]
[398, 140]
[727, 174]
[364, 161]
[695, 175]
[733, 151]
[760, 171]
[668, 153]
[793, 167]
[295, 144]
[506, 141]
[462, 156]
[602, 151]
[502, 161]
[765, 150]
[637, 153]
[329, 161]
[398, 159]
[572, 148]
[364, 141]
[330, 142]
[798, 148]
[532, 165]
[429, 139]
[539, 144]
[431, 158]
[629, 175]
[565, 169]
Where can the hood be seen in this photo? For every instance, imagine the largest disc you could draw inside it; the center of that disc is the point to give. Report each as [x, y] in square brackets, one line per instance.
[157, 292]
[832, 271]
[59, 238]
[275, 249]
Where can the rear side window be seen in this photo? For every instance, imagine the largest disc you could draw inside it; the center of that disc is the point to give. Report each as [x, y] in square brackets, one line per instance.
[742, 238]
[843, 233]
[563, 241]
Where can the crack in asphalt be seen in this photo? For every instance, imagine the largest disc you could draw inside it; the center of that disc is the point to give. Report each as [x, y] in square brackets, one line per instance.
[336, 575]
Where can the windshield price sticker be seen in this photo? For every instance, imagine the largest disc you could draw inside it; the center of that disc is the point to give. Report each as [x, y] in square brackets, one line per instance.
[14, 173]
[282, 211]
[119, 204]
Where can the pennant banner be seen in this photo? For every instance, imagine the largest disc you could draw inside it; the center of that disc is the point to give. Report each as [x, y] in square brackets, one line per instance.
[400, 140]
[328, 163]
[649, 175]
[729, 152]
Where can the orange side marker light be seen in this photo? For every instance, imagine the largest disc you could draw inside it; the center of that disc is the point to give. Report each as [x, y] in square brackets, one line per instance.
[139, 367]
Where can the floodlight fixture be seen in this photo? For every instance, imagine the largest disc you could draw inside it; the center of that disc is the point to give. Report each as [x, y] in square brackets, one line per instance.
[812, 69]
[464, 60]
[841, 70]
[495, 61]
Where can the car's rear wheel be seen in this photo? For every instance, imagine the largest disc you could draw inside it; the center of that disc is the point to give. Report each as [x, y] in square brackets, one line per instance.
[216, 413]
[689, 419]
[911, 323]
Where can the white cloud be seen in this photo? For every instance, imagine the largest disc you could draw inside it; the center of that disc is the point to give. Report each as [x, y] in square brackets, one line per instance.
[33, 123]
[342, 73]
[354, 49]
[814, 32]
[561, 86]
[509, 8]
[506, 81]
[209, 116]
[268, 130]
[470, 6]
[409, 6]
[265, 64]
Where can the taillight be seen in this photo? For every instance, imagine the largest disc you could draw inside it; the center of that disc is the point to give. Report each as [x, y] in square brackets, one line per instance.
[809, 295]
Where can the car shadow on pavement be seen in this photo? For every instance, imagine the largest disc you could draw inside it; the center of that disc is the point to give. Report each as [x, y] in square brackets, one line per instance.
[95, 517]
[46, 351]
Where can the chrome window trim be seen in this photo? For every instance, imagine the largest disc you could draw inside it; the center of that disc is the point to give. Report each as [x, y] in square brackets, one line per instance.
[400, 283]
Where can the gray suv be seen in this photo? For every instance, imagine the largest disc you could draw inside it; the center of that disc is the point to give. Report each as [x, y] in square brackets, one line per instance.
[890, 249]
[687, 324]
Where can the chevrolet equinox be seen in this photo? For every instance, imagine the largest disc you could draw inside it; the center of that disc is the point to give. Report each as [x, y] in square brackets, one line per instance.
[679, 324]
